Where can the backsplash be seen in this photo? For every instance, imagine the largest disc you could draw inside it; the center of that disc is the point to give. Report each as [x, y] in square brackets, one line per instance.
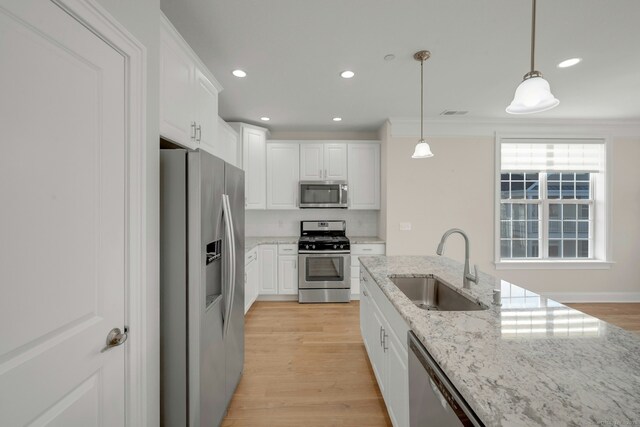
[287, 223]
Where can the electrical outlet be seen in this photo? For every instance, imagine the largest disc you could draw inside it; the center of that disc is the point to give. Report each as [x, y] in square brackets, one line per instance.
[405, 226]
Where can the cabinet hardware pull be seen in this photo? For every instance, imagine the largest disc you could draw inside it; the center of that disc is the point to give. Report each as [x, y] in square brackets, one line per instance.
[193, 130]
[384, 341]
[199, 131]
[381, 329]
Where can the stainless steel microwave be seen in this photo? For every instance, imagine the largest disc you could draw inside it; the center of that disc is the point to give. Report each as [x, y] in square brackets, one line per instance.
[324, 194]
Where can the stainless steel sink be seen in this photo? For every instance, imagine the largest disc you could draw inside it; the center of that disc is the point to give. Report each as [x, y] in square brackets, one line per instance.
[430, 293]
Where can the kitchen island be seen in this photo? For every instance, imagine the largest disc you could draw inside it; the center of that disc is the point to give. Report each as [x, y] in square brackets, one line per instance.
[530, 360]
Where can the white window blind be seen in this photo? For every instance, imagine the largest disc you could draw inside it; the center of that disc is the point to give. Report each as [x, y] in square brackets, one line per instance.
[538, 155]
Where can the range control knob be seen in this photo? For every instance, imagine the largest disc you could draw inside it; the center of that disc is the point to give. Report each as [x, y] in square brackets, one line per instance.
[313, 247]
[335, 246]
[341, 246]
[306, 246]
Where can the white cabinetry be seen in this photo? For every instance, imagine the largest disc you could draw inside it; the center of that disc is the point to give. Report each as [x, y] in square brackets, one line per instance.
[251, 278]
[357, 250]
[254, 163]
[227, 146]
[385, 334]
[364, 175]
[188, 93]
[283, 161]
[323, 161]
[288, 274]
[268, 261]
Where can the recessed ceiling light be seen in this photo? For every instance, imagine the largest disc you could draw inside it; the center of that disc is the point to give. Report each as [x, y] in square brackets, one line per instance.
[389, 57]
[239, 73]
[337, 119]
[347, 74]
[265, 119]
[569, 62]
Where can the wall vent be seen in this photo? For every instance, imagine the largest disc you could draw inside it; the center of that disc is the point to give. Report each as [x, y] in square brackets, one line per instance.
[453, 113]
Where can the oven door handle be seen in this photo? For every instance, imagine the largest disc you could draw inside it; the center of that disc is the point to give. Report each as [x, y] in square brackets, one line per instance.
[324, 253]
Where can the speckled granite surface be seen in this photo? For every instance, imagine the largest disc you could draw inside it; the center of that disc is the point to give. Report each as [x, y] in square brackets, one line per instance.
[355, 240]
[529, 362]
[252, 242]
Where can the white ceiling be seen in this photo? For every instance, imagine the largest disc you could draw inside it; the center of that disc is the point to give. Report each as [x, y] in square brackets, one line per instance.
[294, 50]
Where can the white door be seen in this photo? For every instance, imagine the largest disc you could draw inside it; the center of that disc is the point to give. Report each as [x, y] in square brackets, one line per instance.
[311, 162]
[177, 72]
[288, 274]
[282, 175]
[255, 167]
[206, 115]
[62, 222]
[364, 176]
[335, 161]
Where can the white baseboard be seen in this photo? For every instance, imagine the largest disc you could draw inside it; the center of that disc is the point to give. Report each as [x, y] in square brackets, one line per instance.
[277, 297]
[595, 297]
[355, 297]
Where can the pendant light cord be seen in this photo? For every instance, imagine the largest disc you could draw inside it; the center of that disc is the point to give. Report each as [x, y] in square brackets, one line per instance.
[533, 33]
[422, 99]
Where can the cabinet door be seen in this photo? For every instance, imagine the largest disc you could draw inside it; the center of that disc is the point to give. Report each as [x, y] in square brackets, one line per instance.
[251, 275]
[335, 161]
[311, 162]
[397, 387]
[364, 175]
[283, 162]
[206, 114]
[268, 261]
[226, 147]
[288, 274]
[177, 73]
[254, 164]
[376, 351]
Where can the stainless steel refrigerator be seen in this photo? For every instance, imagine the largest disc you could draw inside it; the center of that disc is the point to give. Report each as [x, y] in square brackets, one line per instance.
[201, 286]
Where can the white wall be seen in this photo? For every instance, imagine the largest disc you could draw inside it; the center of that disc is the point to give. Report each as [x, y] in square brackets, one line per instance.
[456, 189]
[287, 223]
[142, 19]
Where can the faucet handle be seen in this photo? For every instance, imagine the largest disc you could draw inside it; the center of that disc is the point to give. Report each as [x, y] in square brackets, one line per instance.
[476, 277]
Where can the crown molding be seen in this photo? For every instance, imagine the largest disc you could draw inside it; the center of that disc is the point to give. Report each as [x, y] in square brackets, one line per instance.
[410, 127]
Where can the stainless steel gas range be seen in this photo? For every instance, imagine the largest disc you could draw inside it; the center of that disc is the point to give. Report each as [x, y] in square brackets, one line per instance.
[324, 262]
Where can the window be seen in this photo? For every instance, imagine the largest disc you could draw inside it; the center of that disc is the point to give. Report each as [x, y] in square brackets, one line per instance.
[548, 203]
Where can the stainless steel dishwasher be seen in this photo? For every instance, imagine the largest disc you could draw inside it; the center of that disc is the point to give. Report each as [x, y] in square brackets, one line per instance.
[433, 401]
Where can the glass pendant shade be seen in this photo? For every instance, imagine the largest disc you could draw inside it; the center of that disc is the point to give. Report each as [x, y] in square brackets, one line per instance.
[532, 96]
[422, 150]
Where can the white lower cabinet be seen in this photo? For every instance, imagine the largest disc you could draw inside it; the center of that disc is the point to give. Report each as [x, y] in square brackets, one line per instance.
[385, 334]
[287, 274]
[268, 257]
[357, 250]
[278, 273]
[251, 279]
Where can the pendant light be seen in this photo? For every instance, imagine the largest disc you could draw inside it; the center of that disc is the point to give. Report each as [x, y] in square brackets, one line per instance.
[534, 94]
[422, 150]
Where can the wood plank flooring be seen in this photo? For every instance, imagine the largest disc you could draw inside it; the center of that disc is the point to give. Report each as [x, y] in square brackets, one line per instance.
[624, 315]
[306, 365]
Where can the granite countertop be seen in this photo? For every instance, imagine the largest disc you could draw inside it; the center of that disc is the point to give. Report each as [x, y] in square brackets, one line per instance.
[355, 240]
[252, 242]
[531, 361]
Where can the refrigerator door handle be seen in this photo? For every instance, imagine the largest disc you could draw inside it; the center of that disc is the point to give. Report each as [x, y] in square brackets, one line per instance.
[228, 297]
[233, 254]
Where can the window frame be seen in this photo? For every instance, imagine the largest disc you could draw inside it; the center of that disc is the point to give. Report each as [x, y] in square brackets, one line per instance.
[600, 211]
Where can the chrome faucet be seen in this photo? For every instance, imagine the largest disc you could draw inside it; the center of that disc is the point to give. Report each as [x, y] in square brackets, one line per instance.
[468, 277]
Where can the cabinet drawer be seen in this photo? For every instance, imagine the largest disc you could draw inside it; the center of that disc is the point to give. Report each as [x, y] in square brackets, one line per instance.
[251, 256]
[368, 249]
[287, 249]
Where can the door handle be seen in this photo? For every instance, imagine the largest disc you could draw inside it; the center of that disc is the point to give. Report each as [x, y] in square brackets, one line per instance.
[231, 263]
[115, 338]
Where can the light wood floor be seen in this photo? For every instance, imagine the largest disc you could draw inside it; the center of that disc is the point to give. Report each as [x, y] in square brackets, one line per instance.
[306, 365]
[625, 315]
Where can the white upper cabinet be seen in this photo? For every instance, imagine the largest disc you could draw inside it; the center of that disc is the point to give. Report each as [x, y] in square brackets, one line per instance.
[311, 162]
[206, 114]
[323, 161]
[364, 175]
[188, 93]
[283, 175]
[228, 144]
[335, 161]
[254, 163]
